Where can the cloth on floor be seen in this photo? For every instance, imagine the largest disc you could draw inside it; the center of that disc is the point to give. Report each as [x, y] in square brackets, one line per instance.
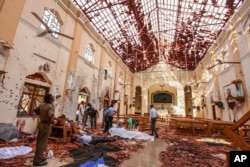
[89, 151]
[80, 140]
[123, 133]
[99, 161]
[108, 160]
[8, 131]
[93, 153]
[11, 152]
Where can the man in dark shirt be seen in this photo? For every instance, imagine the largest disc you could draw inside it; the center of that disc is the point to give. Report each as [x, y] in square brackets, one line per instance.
[85, 115]
[46, 114]
[93, 113]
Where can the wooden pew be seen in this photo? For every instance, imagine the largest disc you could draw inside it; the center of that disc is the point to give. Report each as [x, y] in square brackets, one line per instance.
[244, 132]
[217, 126]
[200, 127]
[237, 139]
[187, 125]
[61, 128]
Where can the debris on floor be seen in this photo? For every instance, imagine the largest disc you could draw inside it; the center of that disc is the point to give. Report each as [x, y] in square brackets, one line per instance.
[186, 151]
[61, 147]
[181, 150]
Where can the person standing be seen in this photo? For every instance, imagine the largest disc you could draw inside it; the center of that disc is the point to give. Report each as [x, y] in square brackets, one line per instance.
[105, 119]
[111, 112]
[81, 111]
[104, 112]
[86, 115]
[46, 114]
[77, 114]
[153, 116]
[93, 113]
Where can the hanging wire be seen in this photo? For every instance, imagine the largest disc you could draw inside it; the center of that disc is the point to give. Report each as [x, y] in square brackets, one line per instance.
[126, 58]
[195, 60]
[135, 61]
[186, 66]
[186, 72]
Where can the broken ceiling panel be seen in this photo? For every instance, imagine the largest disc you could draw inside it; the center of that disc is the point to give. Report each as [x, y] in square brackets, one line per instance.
[142, 32]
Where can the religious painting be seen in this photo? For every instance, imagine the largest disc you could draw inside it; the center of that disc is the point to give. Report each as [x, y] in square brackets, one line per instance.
[235, 89]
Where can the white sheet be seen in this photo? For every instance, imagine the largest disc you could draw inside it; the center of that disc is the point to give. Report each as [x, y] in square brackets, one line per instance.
[122, 132]
[11, 152]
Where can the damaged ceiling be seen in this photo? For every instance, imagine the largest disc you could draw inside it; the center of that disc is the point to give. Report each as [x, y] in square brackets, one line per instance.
[146, 32]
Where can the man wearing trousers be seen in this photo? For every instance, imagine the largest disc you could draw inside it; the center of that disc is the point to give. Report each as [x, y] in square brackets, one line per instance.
[46, 114]
[153, 117]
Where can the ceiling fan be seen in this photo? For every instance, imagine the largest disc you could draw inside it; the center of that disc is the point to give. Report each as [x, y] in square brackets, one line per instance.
[47, 29]
[219, 62]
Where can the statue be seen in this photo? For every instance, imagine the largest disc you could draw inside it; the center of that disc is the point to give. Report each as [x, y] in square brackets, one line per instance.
[231, 101]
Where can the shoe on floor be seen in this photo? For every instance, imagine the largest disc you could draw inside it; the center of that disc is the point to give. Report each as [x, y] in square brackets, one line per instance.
[42, 163]
[43, 158]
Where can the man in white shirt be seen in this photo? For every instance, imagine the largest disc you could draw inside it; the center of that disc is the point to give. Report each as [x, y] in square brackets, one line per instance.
[153, 116]
[80, 112]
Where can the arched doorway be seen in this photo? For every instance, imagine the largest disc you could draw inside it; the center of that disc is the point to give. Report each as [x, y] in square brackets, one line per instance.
[84, 94]
[106, 100]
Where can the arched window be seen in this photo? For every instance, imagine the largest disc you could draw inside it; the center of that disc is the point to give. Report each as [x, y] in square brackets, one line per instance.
[89, 53]
[33, 93]
[51, 18]
[162, 98]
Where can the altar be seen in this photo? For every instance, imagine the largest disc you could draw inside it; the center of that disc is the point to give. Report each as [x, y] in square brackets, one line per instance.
[163, 114]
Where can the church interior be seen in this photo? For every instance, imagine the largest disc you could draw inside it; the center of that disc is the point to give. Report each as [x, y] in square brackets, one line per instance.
[187, 58]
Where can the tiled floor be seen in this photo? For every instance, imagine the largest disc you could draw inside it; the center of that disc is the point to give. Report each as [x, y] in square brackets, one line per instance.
[146, 157]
